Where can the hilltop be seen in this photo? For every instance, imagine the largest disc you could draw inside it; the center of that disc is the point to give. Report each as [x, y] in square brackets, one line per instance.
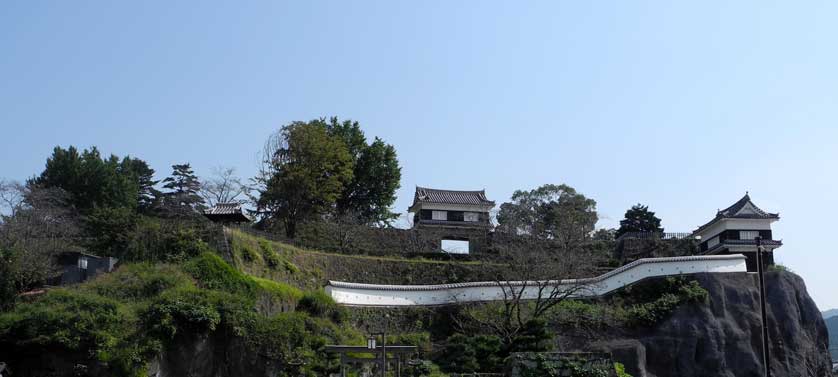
[260, 300]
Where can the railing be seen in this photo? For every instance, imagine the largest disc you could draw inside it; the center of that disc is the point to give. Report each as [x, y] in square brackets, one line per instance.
[655, 235]
[768, 243]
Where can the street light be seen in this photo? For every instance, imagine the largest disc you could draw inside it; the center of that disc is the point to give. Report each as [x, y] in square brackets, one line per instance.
[371, 342]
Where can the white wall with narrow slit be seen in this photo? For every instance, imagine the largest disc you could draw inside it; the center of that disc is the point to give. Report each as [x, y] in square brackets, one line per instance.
[357, 294]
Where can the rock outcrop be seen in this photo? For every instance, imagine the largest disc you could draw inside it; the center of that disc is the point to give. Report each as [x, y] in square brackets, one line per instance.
[722, 338]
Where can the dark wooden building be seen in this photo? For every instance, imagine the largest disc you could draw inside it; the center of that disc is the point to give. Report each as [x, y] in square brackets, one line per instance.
[454, 215]
[734, 229]
[226, 213]
[77, 267]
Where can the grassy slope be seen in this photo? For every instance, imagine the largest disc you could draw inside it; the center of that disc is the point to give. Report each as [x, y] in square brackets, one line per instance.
[123, 319]
[312, 269]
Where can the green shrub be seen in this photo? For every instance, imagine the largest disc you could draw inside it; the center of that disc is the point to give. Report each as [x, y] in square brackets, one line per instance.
[139, 281]
[272, 259]
[693, 292]
[319, 304]
[276, 297]
[422, 340]
[249, 253]
[297, 336]
[779, 268]
[471, 353]
[71, 319]
[290, 267]
[279, 290]
[81, 322]
[212, 272]
[620, 369]
[279, 335]
[182, 244]
[182, 310]
[198, 311]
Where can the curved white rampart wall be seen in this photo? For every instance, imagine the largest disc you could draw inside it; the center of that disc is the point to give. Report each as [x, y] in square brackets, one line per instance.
[355, 294]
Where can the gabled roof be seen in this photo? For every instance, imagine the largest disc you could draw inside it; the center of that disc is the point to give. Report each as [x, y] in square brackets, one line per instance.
[224, 209]
[742, 209]
[227, 211]
[437, 196]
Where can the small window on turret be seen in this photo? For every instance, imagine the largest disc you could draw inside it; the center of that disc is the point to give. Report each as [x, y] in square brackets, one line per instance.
[748, 234]
[439, 215]
[471, 216]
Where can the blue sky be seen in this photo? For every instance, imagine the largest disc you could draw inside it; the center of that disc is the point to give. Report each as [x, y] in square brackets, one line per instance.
[679, 105]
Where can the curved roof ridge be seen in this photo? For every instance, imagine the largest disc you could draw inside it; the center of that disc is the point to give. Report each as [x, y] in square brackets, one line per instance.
[732, 211]
[448, 190]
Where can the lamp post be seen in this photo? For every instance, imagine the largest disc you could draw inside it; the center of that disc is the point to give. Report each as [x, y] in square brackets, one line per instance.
[761, 272]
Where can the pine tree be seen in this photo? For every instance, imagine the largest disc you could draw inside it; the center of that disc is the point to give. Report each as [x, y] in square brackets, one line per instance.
[639, 219]
[182, 199]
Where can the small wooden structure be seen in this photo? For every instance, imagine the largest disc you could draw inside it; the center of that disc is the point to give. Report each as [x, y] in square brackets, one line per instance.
[398, 359]
[77, 266]
[226, 213]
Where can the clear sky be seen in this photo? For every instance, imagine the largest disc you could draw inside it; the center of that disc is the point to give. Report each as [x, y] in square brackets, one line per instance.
[679, 105]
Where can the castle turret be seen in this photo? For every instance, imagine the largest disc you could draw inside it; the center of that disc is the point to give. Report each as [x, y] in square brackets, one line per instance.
[734, 229]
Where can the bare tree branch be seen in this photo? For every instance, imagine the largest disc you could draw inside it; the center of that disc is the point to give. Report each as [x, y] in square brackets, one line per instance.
[536, 276]
[11, 197]
[223, 187]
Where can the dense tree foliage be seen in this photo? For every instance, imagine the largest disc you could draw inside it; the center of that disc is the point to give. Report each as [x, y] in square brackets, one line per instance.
[326, 169]
[554, 212]
[639, 219]
[308, 173]
[94, 181]
[376, 175]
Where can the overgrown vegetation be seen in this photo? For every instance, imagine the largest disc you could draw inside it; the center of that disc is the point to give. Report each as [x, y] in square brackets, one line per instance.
[123, 319]
[184, 278]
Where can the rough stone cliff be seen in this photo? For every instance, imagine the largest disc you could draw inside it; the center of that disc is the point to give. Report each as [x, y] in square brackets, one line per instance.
[723, 337]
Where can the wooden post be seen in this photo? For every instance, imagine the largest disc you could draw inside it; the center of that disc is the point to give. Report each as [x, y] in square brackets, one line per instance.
[766, 358]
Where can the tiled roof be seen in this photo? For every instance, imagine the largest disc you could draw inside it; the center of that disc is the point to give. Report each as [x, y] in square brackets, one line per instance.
[732, 212]
[429, 195]
[736, 207]
[226, 212]
[224, 209]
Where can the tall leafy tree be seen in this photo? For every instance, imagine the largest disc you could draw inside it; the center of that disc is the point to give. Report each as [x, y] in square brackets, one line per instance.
[183, 197]
[306, 174]
[376, 174]
[639, 219]
[555, 212]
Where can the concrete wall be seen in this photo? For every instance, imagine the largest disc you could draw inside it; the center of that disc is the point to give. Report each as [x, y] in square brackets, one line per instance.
[355, 294]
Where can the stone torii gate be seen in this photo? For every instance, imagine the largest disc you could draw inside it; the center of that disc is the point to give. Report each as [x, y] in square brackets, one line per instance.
[399, 356]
